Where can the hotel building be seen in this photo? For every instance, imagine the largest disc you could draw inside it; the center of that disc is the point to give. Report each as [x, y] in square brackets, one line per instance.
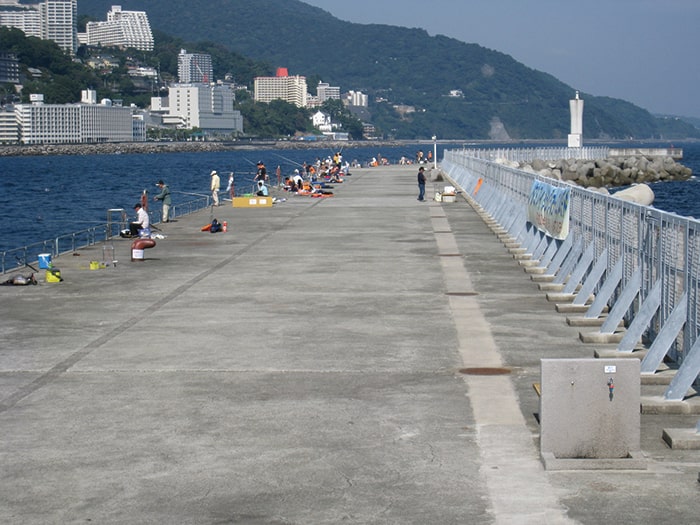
[291, 89]
[84, 123]
[124, 29]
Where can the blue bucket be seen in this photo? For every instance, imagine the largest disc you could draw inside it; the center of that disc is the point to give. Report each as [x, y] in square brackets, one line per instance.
[44, 261]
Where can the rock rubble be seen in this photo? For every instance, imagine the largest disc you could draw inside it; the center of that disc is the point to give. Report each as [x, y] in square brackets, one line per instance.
[607, 173]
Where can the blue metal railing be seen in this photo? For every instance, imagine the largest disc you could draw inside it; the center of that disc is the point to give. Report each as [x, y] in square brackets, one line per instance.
[640, 262]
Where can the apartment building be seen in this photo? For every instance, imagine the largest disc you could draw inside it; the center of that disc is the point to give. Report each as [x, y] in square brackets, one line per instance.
[49, 20]
[59, 23]
[194, 68]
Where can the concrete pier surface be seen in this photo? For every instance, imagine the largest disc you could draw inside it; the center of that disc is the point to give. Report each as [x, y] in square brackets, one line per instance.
[313, 365]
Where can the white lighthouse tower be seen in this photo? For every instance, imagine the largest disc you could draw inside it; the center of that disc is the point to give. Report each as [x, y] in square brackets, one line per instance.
[576, 135]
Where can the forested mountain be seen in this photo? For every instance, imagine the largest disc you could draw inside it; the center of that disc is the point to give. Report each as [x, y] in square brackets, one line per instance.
[398, 67]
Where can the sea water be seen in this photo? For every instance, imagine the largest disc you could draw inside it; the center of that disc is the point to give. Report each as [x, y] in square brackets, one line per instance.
[44, 197]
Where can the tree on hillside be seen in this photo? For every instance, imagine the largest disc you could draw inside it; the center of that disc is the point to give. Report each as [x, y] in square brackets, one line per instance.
[341, 115]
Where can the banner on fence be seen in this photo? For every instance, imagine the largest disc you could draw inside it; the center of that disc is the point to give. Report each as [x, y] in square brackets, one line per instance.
[548, 209]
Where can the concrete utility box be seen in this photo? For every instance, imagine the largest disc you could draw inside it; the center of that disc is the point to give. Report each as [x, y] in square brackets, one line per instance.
[590, 414]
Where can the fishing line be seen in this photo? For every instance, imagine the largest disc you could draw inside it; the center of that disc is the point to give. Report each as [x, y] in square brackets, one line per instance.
[288, 160]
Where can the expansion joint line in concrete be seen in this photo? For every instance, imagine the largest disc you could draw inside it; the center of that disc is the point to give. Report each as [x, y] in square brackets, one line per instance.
[63, 366]
[517, 483]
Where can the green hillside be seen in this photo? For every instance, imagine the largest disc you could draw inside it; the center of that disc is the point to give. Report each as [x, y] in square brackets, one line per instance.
[399, 67]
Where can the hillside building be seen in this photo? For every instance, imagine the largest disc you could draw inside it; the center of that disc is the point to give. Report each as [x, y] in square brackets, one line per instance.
[54, 20]
[322, 121]
[324, 91]
[356, 99]
[9, 69]
[193, 68]
[123, 29]
[291, 89]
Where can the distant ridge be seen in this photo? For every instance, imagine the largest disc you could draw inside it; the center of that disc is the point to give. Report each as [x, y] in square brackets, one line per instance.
[502, 98]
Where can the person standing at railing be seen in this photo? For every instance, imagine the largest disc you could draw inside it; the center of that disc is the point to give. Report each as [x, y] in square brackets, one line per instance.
[164, 196]
[214, 187]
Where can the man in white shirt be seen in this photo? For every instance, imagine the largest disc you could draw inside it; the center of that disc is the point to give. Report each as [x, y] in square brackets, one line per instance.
[215, 185]
[142, 221]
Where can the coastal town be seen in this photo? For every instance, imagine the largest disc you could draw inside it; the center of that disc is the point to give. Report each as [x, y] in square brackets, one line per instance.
[198, 102]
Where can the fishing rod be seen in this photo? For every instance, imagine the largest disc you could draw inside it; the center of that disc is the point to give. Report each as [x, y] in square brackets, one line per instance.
[25, 263]
[193, 194]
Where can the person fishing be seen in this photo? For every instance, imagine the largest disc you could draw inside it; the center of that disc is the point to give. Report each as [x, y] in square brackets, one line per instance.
[261, 173]
[230, 187]
[142, 221]
[164, 196]
[214, 187]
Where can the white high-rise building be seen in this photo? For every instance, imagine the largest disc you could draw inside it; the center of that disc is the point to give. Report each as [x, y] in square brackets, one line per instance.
[59, 22]
[194, 68]
[49, 20]
[291, 89]
[125, 29]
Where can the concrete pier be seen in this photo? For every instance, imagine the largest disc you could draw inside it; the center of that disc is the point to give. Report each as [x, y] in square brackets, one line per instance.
[365, 358]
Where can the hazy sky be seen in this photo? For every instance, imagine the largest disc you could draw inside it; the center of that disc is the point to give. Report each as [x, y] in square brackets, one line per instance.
[643, 51]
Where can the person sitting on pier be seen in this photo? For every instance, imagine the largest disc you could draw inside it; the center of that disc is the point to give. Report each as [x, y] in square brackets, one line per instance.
[141, 223]
[262, 189]
[297, 178]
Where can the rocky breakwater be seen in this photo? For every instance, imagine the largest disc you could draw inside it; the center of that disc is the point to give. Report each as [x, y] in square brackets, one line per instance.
[110, 148]
[607, 173]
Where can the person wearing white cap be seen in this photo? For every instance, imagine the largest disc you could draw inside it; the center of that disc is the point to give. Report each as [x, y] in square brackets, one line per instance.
[215, 185]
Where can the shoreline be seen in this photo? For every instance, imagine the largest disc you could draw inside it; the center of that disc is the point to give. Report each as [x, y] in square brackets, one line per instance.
[115, 148]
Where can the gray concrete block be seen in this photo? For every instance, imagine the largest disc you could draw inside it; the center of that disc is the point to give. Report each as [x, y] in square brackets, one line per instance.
[589, 414]
[682, 438]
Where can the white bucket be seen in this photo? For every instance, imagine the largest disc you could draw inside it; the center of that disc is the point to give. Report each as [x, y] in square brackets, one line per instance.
[44, 261]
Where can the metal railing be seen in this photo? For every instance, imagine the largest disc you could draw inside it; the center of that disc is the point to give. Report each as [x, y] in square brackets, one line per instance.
[27, 255]
[541, 153]
[641, 263]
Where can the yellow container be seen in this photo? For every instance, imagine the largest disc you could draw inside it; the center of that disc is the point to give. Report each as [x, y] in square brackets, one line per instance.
[53, 275]
[252, 202]
[94, 265]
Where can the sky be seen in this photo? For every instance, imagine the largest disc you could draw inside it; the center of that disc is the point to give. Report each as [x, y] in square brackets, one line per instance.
[642, 51]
